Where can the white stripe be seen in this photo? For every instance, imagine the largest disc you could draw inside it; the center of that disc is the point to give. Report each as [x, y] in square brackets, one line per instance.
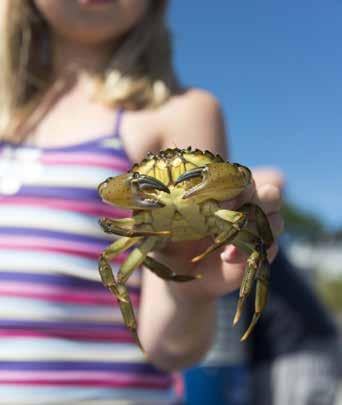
[48, 263]
[32, 309]
[114, 143]
[26, 349]
[38, 174]
[51, 401]
[52, 263]
[11, 395]
[50, 219]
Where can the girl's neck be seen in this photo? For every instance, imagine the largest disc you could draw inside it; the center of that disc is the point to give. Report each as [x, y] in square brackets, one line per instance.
[71, 58]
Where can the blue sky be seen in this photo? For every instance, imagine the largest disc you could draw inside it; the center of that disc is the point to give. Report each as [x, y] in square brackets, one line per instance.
[276, 67]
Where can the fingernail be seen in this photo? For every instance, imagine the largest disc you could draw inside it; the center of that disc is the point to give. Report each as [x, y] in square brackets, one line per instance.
[228, 253]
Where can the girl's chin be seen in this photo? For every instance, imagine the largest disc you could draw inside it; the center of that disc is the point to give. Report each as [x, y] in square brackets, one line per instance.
[95, 3]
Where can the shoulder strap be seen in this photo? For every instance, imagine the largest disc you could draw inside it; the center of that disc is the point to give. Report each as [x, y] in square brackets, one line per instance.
[118, 120]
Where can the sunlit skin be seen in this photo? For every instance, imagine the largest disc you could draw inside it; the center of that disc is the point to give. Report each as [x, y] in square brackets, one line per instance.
[192, 117]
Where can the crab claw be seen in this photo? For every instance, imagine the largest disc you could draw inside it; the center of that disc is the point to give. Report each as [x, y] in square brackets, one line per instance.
[133, 191]
[219, 181]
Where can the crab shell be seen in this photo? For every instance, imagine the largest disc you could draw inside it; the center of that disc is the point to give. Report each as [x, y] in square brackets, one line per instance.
[175, 184]
[176, 195]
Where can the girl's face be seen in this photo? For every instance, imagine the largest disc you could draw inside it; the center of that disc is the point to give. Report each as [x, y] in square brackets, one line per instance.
[92, 21]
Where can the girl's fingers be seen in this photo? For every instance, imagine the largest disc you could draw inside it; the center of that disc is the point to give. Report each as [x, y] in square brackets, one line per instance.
[272, 252]
[233, 255]
[246, 196]
[276, 223]
[269, 175]
[268, 197]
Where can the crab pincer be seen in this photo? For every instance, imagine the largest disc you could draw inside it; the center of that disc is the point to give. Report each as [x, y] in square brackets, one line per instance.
[132, 190]
[219, 181]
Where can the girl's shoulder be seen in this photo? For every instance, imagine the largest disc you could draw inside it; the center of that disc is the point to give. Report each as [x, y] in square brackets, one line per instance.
[190, 111]
[191, 98]
[194, 99]
[193, 117]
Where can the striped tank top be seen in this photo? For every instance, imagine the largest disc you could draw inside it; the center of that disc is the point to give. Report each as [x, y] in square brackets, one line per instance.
[62, 338]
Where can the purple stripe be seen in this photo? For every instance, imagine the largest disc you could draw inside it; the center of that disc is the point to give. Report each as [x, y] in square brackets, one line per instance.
[100, 150]
[57, 280]
[84, 365]
[74, 193]
[119, 115]
[66, 148]
[51, 279]
[92, 145]
[101, 243]
[83, 146]
[13, 324]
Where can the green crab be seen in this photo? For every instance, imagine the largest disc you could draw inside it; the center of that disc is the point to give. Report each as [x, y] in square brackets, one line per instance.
[175, 195]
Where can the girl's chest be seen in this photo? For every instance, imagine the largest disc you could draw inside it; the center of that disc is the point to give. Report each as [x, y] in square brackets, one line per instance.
[72, 170]
[18, 167]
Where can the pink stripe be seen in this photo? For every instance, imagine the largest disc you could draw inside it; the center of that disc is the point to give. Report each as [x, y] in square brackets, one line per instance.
[83, 376]
[61, 293]
[41, 244]
[111, 162]
[114, 336]
[96, 209]
[54, 245]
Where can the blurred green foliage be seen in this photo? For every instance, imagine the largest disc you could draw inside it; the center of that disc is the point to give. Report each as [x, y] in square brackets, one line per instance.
[308, 227]
[302, 224]
[330, 291]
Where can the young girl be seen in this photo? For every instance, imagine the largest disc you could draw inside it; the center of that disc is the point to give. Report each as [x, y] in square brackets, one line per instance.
[87, 87]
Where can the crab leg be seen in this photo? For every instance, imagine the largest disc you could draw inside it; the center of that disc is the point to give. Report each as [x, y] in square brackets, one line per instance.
[263, 278]
[223, 238]
[110, 253]
[257, 266]
[252, 266]
[119, 291]
[263, 271]
[235, 220]
[117, 284]
[263, 226]
[165, 272]
[135, 259]
[125, 227]
[126, 308]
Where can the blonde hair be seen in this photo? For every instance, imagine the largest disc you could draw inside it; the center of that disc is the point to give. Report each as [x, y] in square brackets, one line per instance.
[140, 74]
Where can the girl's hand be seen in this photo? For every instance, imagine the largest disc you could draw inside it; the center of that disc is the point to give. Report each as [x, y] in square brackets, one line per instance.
[222, 271]
[178, 320]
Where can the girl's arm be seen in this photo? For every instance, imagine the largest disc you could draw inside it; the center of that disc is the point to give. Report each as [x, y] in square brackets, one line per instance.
[177, 320]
